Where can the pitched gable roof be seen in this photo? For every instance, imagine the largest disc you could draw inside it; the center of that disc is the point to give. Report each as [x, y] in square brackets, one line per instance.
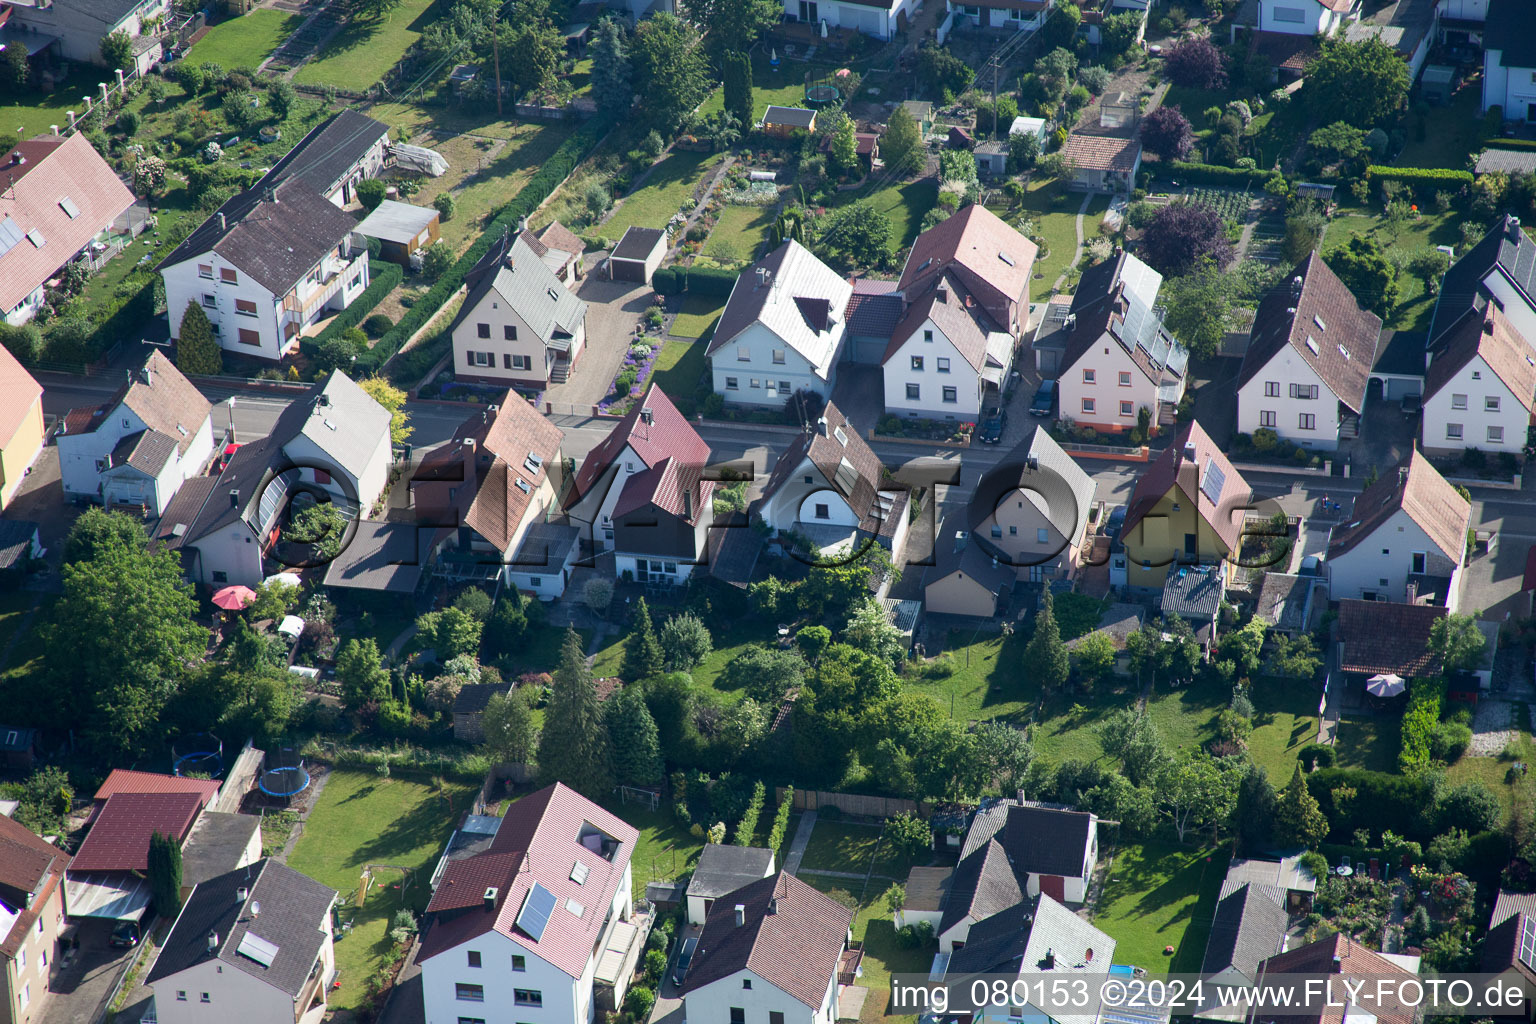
[993, 259]
[1388, 637]
[274, 236]
[1095, 152]
[522, 446]
[973, 560]
[1494, 339]
[671, 486]
[162, 397]
[953, 308]
[146, 451]
[1418, 489]
[345, 422]
[873, 309]
[1250, 924]
[1316, 315]
[1191, 475]
[1511, 29]
[654, 430]
[123, 780]
[832, 442]
[1354, 960]
[1048, 476]
[1117, 299]
[44, 180]
[801, 300]
[25, 857]
[724, 869]
[1505, 250]
[322, 158]
[792, 937]
[513, 270]
[119, 840]
[19, 392]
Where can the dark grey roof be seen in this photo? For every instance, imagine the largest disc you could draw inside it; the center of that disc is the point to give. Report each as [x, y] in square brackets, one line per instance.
[972, 558]
[1511, 27]
[108, 12]
[1510, 903]
[983, 884]
[383, 557]
[1193, 592]
[995, 944]
[473, 698]
[275, 241]
[1505, 161]
[545, 545]
[16, 536]
[294, 911]
[1400, 353]
[724, 869]
[1249, 925]
[1505, 249]
[1005, 844]
[638, 243]
[332, 148]
[1285, 600]
[795, 117]
[215, 845]
[146, 451]
[1047, 840]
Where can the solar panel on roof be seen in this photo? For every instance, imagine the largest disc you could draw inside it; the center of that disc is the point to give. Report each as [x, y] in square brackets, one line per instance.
[10, 234]
[273, 497]
[1528, 942]
[257, 948]
[538, 905]
[1215, 479]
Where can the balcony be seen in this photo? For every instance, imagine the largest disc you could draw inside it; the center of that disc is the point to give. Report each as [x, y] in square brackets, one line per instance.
[309, 296]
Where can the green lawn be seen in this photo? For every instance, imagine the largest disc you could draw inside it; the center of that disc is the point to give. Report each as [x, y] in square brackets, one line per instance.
[360, 819]
[985, 683]
[784, 88]
[1068, 727]
[1365, 743]
[697, 316]
[36, 112]
[668, 190]
[246, 41]
[666, 849]
[1159, 895]
[902, 205]
[678, 370]
[1053, 212]
[363, 52]
[1494, 772]
[1285, 720]
[1414, 305]
[841, 846]
[1451, 133]
[580, 78]
[883, 955]
[26, 658]
[730, 640]
[743, 230]
[540, 651]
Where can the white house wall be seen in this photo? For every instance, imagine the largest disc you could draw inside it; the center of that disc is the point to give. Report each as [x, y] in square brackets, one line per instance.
[79, 453]
[227, 556]
[758, 344]
[451, 967]
[1475, 419]
[1108, 360]
[1284, 369]
[1297, 17]
[961, 376]
[713, 1002]
[365, 486]
[595, 510]
[234, 997]
[496, 313]
[1514, 89]
[1380, 563]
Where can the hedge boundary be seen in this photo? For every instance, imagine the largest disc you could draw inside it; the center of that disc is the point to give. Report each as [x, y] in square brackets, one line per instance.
[1525, 144]
[1214, 174]
[383, 278]
[549, 177]
[1420, 177]
[715, 281]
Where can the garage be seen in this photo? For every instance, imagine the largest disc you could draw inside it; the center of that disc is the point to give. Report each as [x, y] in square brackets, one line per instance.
[637, 255]
[868, 21]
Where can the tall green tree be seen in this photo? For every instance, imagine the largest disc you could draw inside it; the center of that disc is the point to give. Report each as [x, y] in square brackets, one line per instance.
[360, 669]
[1047, 655]
[1360, 83]
[632, 735]
[535, 48]
[611, 69]
[845, 146]
[1364, 268]
[15, 72]
[1457, 642]
[1131, 737]
[1199, 304]
[901, 147]
[508, 726]
[197, 350]
[1254, 816]
[120, 641]
[574, 747]
[117, 50]
[97, 530]
[165, 874]
[731, 26]
[737, 72]
[1298, 818]
[670, 73]
[642, 654]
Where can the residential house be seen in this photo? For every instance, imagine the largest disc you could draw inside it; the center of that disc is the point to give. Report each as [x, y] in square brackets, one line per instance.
[965, 286]
[1035, 936]
[1306, 17]
[770, 953]
[1118, 362]
[1249, 926]
[1357, 966]
[1290, 603]
[1104, 157]
[402, 230]
[139, 446]
[881, 19]
[1019, 15]
[21, 425]
[266, 267]
[782, 122]
[1501, 270]
[226, 525]
[722, 870]
[59, 197]
[638, 255]
[1095, 12]
[252, 944]
[1034, 507]
[521, 927]
[652, 431]
[1016, 849]
[31, 918]
[337, 154]
[1194, 593]
[1480, 390]
[1509, 60]
[782, 329]
[75, 31]
[1510, 947]
[967, 578]
[661, 522]
[829, 486]
[469, 710]
[1187, 508]
[1462, 22]
[1391, 638]
[1405, 540]
[1309, 358]
[519, 325]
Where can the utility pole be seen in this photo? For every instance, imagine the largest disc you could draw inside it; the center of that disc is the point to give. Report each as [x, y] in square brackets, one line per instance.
[496, 57]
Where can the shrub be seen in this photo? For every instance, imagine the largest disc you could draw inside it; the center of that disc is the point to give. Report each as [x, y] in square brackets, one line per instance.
[1316, 755]
[1449, 741]
[377, 325]
[370, 192]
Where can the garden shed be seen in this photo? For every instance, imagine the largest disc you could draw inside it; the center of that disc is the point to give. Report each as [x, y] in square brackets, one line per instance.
[638, 254]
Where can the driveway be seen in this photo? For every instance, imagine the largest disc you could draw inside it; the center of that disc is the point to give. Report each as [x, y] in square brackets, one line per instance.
[83, 981]
[613, 310]
[860, 394]
[1386, 435]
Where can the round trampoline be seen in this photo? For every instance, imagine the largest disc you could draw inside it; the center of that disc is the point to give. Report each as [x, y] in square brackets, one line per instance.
[284, 777]
[199, 754]
[821, 93]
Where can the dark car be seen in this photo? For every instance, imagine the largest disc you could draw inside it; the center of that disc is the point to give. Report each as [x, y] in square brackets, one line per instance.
[125, 935]
[684, 959]
[1412, 405]
[992, 426]
[1114, 522]
[1044, 403]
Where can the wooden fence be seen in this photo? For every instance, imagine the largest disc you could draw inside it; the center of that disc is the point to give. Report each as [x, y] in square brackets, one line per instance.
[855, 804]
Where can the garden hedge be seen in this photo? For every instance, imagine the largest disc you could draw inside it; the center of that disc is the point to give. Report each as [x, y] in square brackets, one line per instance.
[544, 182]
[669, 280]
[1404, 804]
[383, 278]
[716, 281]
[123, 317]
[1429, 179]
[1526, 144]
[1214, 174]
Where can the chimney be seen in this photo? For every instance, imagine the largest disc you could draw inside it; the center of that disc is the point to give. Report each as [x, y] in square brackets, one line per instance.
[271, 195]
[1402, 476]
[960, 539]
[741, 915]
[763, 275]
[970, 301]
[1296, 285]
[491, 893]
[242, 894]
[647, 416]
[1050, 959]
[1512, 225]
[325, 399]
[773, 906]
[821, 426]
[1488, 325]
[234, 497]
[1089, 955]
[223, 224]
[943, 293]
[1290, 310]
[468, 447]
[149, 376]
[1338, 964]
[213, 942]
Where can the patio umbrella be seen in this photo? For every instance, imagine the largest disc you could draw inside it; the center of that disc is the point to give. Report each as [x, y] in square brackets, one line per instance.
[1387, 684]
[823, 28]
[232, 599]
[290, 578]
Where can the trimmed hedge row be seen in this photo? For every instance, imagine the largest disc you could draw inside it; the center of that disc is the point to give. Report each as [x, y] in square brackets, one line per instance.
[407, 371]
[1214, 174]
[383, 277]
[1526, 144]
[548, 178]
[1431, 178]
[127, 315]
[716, 281]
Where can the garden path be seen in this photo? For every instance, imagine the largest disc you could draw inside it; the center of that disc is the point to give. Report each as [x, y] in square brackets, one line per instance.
[1077, 253]
[800, 842]
[698, 209]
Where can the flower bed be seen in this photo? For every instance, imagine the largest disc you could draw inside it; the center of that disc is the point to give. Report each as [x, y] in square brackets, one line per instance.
[638, 367]
[753, 193]
[444, 388]
[926, 430]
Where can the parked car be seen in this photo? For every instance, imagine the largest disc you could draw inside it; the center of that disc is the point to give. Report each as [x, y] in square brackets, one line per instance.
[125, 935]
[1114, 522]
[1044, 403]
[684, 959]
[1310, 566]
[1412, 405]
[992, 426]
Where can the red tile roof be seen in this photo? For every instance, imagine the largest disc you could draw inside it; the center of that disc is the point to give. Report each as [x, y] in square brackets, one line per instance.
[25, 857]
[1418, 489]
[18, 394]
[1387, 637]
[668, 434]
[672, 486]
[993, 260]
[1101, 152]
[1499, 344]
[119, 840]
[1174, 469]
[40, 174]
[123, 780]
[1354, 962]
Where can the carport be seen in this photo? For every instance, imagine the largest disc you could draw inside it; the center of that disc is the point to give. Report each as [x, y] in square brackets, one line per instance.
[1400, 364]
[116, 896]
